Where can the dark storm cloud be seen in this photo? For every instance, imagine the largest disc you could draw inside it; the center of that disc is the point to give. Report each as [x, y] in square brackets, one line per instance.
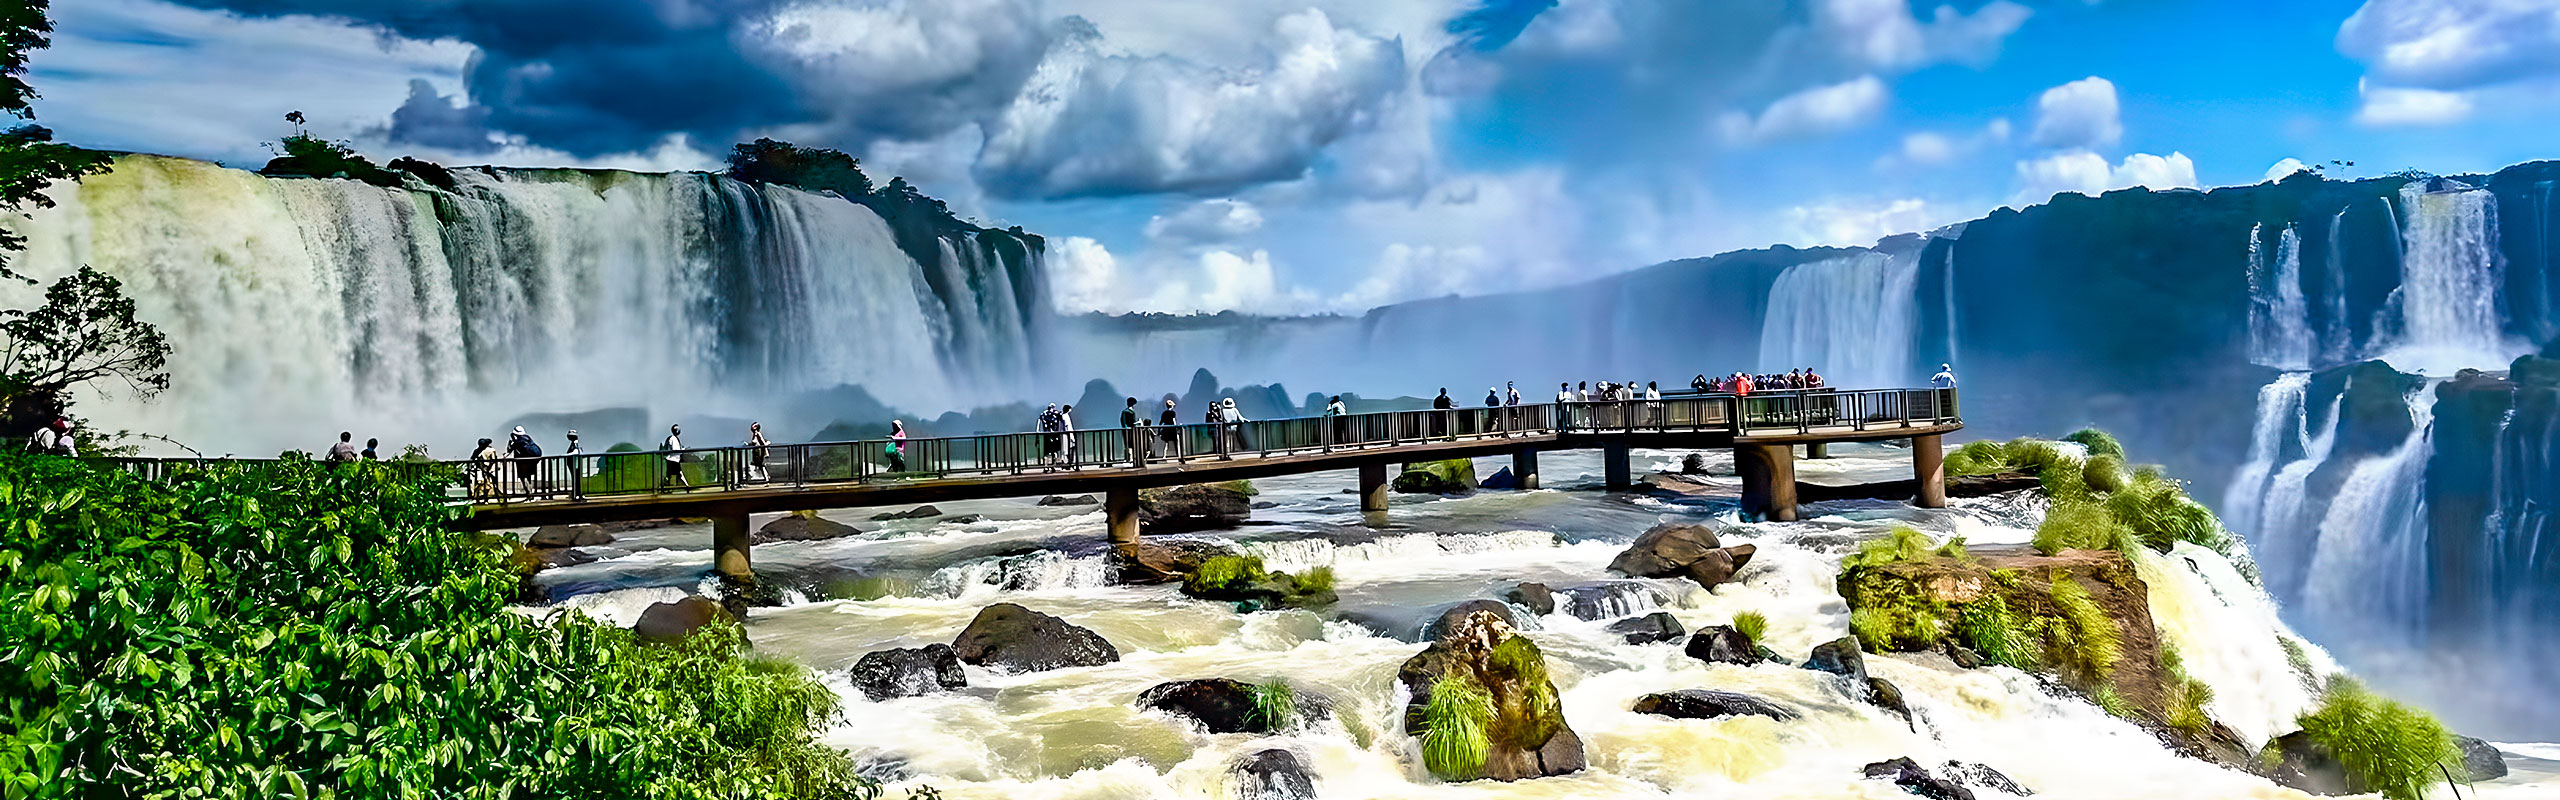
[432, 120]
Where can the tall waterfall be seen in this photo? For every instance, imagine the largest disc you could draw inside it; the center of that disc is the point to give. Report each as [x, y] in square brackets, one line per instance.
[2337, 338]
[2450, 305]
[2267, 503]
[2368, 567]
[2279, 317]
[1850, 318]
[300, 307]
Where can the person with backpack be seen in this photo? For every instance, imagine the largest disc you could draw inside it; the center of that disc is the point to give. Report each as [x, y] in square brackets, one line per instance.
[372, 450]
[1340, 422]
[54, 439]
[1216, 419]
[527, 454]
[344, 450]
[897, 449]
[674, 448]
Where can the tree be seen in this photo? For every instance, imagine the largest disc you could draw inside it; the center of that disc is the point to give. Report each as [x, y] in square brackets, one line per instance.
[30, 161]
[84, 333]
[812, 168]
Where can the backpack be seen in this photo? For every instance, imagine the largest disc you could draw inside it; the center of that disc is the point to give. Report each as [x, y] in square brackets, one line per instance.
[525, 447]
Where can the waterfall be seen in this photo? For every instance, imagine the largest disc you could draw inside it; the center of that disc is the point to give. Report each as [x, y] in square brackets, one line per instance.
[2279, 409]
[2449, 305]
[2368, 567]
[2265, 502]
[1850, 318]
[2338, 339]
[300, 307]
[2520, 548]
[2279, 317]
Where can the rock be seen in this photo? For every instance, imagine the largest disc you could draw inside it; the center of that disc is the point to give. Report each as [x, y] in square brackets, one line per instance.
[665, 623]
[1658, 626]
[1501, 479]
[569, 536]
[1528, 736]
[1769, 655]
[1982, 776]
[1199, 506]
[1166, 560]
[965, 519]
[1681, 550]
[1454, 476]
[1721, 644]
[908, 672]
[1222, 705]
[1259, 505]
[1078, 500]
[1274, 774]
[2297, 762]
[1533, 596]
[1009, 637]
[1693, 464]
[638, 525]
[1887, 696]
[1905, 489]
[2481, 760]
[1708, 704]
[1448, 620]
[918, 512]
[802, 528]
[1964, 657]
[1912, 778]
[1840, 657]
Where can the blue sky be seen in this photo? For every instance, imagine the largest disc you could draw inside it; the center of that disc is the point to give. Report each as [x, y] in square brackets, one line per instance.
[1331, 155]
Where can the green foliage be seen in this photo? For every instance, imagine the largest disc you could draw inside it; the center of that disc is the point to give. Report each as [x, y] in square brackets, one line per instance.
[2160, 515]
[1456, 720]
[2081, 524]
[299, 628]
[23, 30]
[1977, 458]
[1274, 704]
[2113, 702]
[2037, 456]
[2103, 474]
[2386, 747]
[1992, 630]
[2081, 638]
[2295, 657]
[1954, 548]
[1222, 572]
[813, 168]
[1752, 624]
[1528, 714]
[2186, 697]
[1315, 581]
[1902, 543]
[84, 335]
[2098, 442]
[307, 156]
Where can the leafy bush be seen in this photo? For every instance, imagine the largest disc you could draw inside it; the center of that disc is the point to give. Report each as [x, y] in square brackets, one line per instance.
[296, 628]
[1752, 624]
[305, 155]
[2098, 442]
[2081, 524]
[2386, 747]
[1455, 741]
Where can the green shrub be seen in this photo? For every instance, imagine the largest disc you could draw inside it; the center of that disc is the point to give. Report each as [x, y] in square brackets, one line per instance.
[1977, 458]
[1990, 629]
[2103, 474]
[2081, 524]
[2113, 702]
[1274, 704]
[1954, 548]
[2098, 442]
[1222, 571]
[2386, 747]
[305, 155]
[1526, 716]
[2081, 638]
[1752, 624]
[2036, 456]
[292, 627]
[2295, 657]
[1316, 580]
[1903, 543]
[1456, 719]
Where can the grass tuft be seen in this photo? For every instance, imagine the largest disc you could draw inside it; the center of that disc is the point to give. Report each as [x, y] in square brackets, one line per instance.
[2104, 474]
[1752, 624]
[2098, 442]
[1903, 543]
[1316, 580]
[1274, 704]
[1456, 722]
[2386, 747]
[2082, 638]
[1977, 458]
[2112, 702]
[1222, 571]
[2081, 524]
[1992, 630]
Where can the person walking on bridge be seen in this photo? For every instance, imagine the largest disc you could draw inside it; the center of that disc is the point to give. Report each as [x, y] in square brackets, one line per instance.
[897, 449]
[758, 448]
[1440, 407]
[674, 447]
[1169, 429]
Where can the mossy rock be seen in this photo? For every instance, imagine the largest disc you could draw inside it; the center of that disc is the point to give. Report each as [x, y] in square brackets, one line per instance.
[1193, 507]
[1522, 732]
[1454, 476]
[1241, 579]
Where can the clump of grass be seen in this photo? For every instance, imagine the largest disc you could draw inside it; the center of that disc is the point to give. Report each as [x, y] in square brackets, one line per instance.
[2036, 456]
[1221, 571]
[2186, 696]
[1903, 543]
[1752, 624]
[2295, 657]
[1977, 458]
[1456, 722]
[2104, 474]
[2385, 747]
[1316, 580]
[2099, 442]
[2081, 637]
[1992, 630]
[1275, 705]
[2081, 524]
[1905, 624]
[1954, 548]
[1527, 715]
[2113, 702]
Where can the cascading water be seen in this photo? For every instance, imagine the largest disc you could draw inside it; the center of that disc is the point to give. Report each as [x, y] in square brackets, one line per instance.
[2266, 503]
[2338, 339]
[2280, 405]
[2279, 317]
[2368, 567]
[2450, 306]
[299, 307]
[1851, 318]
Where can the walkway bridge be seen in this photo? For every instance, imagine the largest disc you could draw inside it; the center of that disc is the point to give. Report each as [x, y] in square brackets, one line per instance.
[726, 484]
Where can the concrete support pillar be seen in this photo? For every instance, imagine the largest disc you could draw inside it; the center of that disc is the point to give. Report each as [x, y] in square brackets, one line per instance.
[1768, 481]
[1373, 487]
[729, 545]
[1817, 450]
[1524, 466]
[1120, 508]
[1613, 457]
[1928, 463]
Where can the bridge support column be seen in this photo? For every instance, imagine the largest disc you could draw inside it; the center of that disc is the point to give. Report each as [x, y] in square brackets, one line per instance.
[1768, 481]
[1613, 458]
[729, 545]
[1817, 450]
[1928, 463]
[1120, 507]
[1373, 488]
[1524, 466]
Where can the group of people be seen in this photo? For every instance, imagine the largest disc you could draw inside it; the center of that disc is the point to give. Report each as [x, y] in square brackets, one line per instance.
[54, 439]
[1742, 383]
[1061, 448]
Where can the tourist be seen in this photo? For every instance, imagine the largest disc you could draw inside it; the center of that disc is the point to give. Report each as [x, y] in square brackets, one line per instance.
[1582, 392]
[1216, 418]
[371, 450]
[1441, 406]
[1169, 429]
[1513, 392]
[1699, 384]
[1813, 379]
[1050, 441]
[1235, 425]
[344, 450]
[1653, 404]
[484, 470]
[1130, 437]
[757, 448]
[54, 439]
[1067, 434]
[674, 448]
[897, 449]
[1340, 414]
[520, 447]
[1945, 379]
[577, 465]
[1742, 384]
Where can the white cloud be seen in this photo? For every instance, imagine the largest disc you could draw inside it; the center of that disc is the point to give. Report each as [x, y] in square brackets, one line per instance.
[1812, 112]
[1855, 223]
[2387, 106]
[2453, 44]
[1928, 148]
[1083, 276]
[1206, 221]
[1884, 34]
[1931, 148]
[1407, 272]
[2087, 173]
[2286, 168]
[1243, 282]
[2079, 114]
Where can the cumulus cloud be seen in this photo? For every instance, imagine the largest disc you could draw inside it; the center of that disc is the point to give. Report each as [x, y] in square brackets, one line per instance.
[1083, 275]
[2081, 114]
[2454, 44]
[1884, 34]
[2286, 168]
[2088, 173]
[1206, 221]
[434, 120]
[1931, 148]
[1812, 112]
[1853, 223]
[2388, 106]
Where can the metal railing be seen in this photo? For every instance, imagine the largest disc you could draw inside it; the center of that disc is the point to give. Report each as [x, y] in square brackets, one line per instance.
[613, 474]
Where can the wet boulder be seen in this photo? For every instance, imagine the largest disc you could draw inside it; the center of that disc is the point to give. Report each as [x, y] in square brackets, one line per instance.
[908, 672]
[1223, 705]
[1454, 476]
[1448, 620]
[918, 512]
[1693, 464]
[1708, 704]
[569, 536]
[2480, 760]
[1522, 733]
[1915, 779]
[1274, 774]
[1982, 777]
[1658, 626]
[1194, 507]
[1078, 500]
[1166, 560]
[2296, 761]
[802, 527]
[965, 519]
[1500, 479]
[1840, 657]
[1883, 694]
[1682, 550]
[670, 622]
[1535, 597]
[1721, 644]
[1009, 637]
